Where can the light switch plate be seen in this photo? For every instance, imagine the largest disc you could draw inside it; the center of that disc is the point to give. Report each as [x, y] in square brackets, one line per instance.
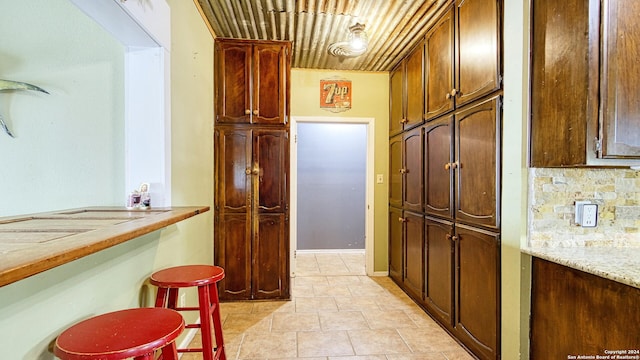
[379, 178]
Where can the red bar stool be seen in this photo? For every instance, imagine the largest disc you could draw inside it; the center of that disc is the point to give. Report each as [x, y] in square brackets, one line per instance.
[132, 333]
[205, 277]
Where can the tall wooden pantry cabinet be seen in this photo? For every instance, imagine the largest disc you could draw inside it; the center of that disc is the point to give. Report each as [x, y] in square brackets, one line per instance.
[444, 191]
[251, 139]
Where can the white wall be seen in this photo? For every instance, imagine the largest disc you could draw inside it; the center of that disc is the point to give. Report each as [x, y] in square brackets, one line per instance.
[68, 150]
[82, 136]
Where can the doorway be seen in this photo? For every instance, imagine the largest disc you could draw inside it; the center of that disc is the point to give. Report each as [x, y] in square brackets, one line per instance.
[332, 186]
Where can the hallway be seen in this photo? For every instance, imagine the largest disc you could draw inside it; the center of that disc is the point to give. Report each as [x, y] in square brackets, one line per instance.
[336, 312]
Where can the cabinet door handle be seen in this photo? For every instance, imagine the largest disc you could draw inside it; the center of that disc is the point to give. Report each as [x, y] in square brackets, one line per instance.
[447, 166]
[247, 171]
[401, 219]
[404, 121]
[454, 92]
[255, 112]
[247, 112]
[454, 165]
[403, 171]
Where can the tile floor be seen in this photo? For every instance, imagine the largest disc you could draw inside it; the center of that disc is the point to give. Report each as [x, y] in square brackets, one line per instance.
[336, 312]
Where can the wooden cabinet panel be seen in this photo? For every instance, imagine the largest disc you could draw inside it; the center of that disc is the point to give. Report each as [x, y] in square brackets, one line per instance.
[438, 178]
[562, 93]
[566, 303]
[477, 320]
[396, 99]
[439, 267]
[270, 151]
[233, 83]
[439, 67]
[620, 79]
[477, 165]
[270, 250]
[395, 174]
[252, 81]
[233, 251]
[269, 83]
[233, 160]
[396, 246]
[414, 253]
[412, 170]
[477, 49]
[415, 87]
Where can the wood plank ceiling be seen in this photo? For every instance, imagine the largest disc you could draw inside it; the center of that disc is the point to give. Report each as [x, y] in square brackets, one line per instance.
[393, 27]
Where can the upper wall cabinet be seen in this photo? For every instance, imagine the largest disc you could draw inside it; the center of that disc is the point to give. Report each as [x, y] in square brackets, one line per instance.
[583, 85]
[462, 56]
[252, 81]
[406, 87]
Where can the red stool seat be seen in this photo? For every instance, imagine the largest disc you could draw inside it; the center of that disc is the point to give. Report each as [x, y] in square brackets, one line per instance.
[132, 333]
[205, 278]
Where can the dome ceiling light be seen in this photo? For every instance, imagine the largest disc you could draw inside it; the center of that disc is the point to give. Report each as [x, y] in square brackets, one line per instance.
[355, 45]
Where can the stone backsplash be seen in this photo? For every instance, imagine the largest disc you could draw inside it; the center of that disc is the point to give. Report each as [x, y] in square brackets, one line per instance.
[553, 192]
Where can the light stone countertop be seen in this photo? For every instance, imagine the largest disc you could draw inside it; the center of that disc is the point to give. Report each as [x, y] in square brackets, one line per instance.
[621, 264]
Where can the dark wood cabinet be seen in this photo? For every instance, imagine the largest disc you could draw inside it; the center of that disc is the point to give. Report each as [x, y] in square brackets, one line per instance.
[251, 230]
[566, 302]
[252, 81]
[444, 191]
[251, 170]
[396, 245]
[620, 79]
[583, 80]
[439, 270]
[439, 67]
[478, 49]
[477, 164]
[438, 157]
[477, 289]
[406, 89]
[413, 231]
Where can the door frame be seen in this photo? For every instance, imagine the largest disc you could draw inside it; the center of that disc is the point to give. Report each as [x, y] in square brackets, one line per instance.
[369, 184]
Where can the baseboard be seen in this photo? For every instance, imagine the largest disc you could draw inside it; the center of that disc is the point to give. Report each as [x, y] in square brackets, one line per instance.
[331, 251]
[380, 273]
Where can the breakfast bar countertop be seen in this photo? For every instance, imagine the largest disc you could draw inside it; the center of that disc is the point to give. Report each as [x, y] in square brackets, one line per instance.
[30, 244]
[621, 264]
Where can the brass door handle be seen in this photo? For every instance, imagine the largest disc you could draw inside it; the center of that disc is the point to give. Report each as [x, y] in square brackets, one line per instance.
[255, 112]
[247, 171]
[247, 112]
[404, 121]
[447, 166]
[401, 219]
[403, 171]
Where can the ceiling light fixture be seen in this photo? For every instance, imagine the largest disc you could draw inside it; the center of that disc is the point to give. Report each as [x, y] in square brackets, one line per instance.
[356, 45]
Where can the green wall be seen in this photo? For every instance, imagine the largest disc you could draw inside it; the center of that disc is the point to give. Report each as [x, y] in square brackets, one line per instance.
[370, 99]
[69, 152]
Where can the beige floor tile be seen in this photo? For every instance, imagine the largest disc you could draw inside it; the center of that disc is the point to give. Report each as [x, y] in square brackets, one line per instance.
[345, 280]
[377, 342]
[242, 307]
[459, 354]
[357, 303]
[429, 356]
[342, 320]
[239, 323]
[268, 346]
[332, 343]
[295, 322]
[427, 340]
[274, 306]
[365, 357]
[313, 304]
[383, 319]
[331, 290]
[367, 290]
[311, 280]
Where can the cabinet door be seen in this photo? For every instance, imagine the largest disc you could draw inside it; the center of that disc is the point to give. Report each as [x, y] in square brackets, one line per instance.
[414, 254]
[478, 51]
[477, 165]
[562, 89]
[439, 270]
[395, 171]
[233, 83]
[269, 83]
[438, 175]
[270, 279]
[412, 170]
[439, 67]
[232, 247]
[477, 320]
[396, 99]
[415, 87]
[396, 260]
[620, 79]
[271, 170]
[233, 170]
